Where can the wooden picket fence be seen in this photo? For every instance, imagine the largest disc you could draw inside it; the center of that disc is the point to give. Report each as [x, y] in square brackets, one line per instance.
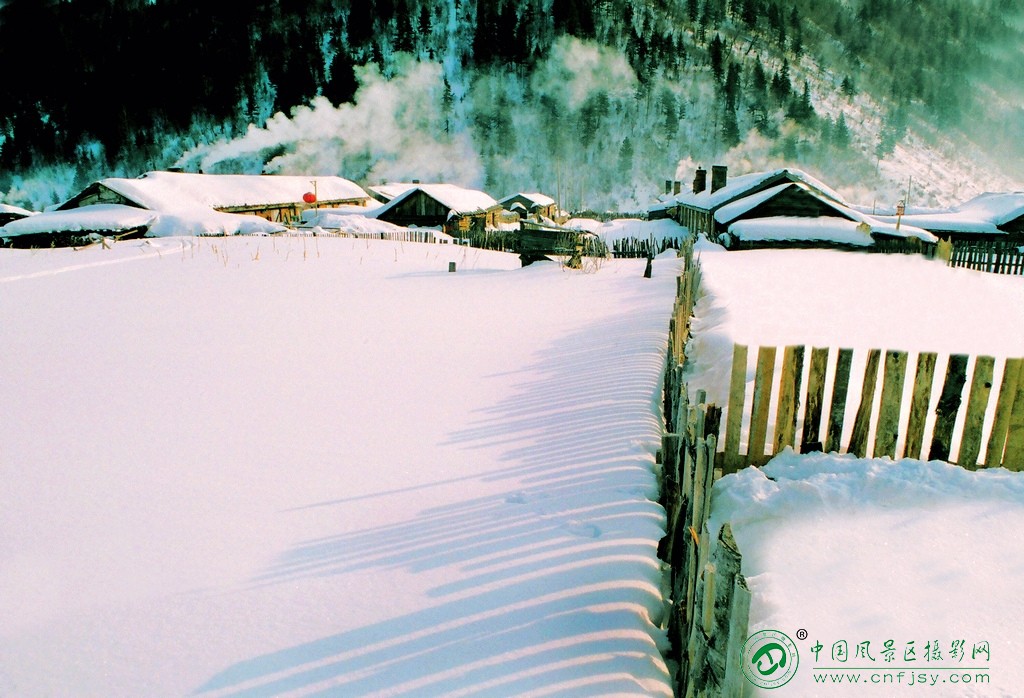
[993, 257]
[902, 412]
[709, 598]
[634, 248]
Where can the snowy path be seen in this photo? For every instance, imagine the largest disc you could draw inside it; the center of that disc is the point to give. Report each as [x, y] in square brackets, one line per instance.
[258, 467]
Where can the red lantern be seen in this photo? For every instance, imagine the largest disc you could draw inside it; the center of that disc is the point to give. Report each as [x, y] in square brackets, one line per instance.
[309, 197]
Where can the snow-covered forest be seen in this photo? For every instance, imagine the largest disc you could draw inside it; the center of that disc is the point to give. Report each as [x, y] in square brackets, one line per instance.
[599, 103]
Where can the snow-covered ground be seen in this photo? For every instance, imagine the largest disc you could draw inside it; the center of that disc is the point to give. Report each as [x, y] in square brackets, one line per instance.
[859, 551]
[254, 466]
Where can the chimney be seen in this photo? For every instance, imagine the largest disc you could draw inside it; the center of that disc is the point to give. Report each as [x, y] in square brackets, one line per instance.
[677, 187]
[700, 180]
[668, 186]
[415, 181]
[719, 177]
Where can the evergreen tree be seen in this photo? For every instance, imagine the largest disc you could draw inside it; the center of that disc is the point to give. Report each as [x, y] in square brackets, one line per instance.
[796, 40]
[730, 128]
[800, 108]
[626, 154]
[715, 56]
[731, 88]
[841, 133]
[781, 85]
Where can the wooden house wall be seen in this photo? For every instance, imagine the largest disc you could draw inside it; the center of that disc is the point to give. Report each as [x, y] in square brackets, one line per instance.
[97, 194]
[1014, 228]
[794, 202]
[529, 205]
[287, 213]
[417, 209]
[6, 218]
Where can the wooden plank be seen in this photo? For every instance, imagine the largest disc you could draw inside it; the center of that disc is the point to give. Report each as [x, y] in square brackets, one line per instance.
[759, 407]
[1013, 459]
[919, 401]
[977, 403]
[1004, 407]
[862, 422]
[735, 683]
[837, 411]
[948, 407]
[810, 440]
[734, 421]
[789, 398]
[887, 429]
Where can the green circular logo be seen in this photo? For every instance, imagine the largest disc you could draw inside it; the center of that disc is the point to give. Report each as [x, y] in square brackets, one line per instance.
[770, 659]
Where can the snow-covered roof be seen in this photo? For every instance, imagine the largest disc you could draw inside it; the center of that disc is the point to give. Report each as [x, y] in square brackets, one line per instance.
[590, 225]
[452, 197]
[998, 207]
[983, 215]
[168, 191]
[100, 217]
[113, 218]
[16, 210]
[821, 229]
[390, 190]
[730, 212]
[737, 187]
[537, 198]
[792, 228]
[345, 220]
[737, 208]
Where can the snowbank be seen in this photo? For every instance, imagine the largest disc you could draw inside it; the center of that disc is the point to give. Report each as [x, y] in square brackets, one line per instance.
[917, 554]
[101, 217]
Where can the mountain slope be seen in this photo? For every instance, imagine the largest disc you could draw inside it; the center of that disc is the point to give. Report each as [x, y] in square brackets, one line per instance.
[598, 103]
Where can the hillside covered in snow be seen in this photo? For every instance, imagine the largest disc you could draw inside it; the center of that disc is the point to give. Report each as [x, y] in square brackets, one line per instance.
[597, 103]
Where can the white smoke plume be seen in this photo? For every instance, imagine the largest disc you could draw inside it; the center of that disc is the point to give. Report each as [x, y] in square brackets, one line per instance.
[395, 129]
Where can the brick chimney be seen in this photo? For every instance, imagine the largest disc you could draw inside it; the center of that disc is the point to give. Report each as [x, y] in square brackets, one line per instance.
[677, 187]
[700, 180]
[719, 177]
[668, 186]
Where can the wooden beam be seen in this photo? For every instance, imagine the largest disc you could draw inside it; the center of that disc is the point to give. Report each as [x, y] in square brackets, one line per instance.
[1004, 406]
[837, 411]
[789, 398]
[862, 422]
[977, 404]
[887, 429]
[759, 408]
[810, 440]
[734, 421]
[1013, 459]
[919, 401]
[948, 407]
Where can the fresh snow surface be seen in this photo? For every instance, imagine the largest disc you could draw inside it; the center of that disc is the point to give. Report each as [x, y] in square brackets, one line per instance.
[188, 219]
[861, 550]
[831, 298]
[621, 228]
[790, 228]
[255, 466]
[854, 550]
[167, 191]
[106, 217]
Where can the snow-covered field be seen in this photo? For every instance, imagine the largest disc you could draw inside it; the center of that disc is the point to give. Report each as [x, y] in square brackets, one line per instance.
[925, 556]
[255, 466]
